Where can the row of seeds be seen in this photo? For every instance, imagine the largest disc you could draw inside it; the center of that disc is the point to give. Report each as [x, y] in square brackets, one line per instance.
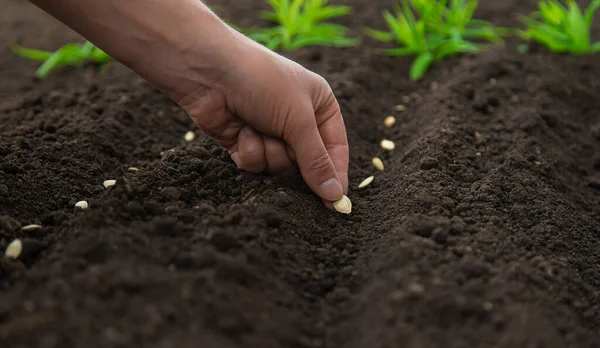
[15, 248]
[344, 205]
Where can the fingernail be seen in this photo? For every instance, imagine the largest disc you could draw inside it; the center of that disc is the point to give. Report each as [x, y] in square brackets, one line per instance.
[331, 190]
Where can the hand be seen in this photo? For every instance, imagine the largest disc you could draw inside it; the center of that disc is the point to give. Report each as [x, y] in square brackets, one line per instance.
[270, 113]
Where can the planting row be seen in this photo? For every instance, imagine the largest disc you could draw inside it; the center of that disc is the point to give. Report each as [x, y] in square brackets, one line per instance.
[429, 30]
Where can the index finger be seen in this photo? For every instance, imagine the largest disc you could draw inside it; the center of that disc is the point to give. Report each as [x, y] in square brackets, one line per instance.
[333, 132]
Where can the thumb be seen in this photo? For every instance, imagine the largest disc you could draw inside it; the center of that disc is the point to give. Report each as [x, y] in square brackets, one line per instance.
[314, 162]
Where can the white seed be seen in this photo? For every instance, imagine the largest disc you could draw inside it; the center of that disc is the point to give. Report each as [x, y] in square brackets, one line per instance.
[343, 205]
[14, 249]
[366, 182]
[190, 136]
[387, 145]
[400, 107]
[82, 205]
[389, 121]
[30, 228]
[133, 169]
[109, 183]
[478, 138]
[378, 163]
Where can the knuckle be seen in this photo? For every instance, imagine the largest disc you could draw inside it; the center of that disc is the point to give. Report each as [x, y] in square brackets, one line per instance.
[320, 164]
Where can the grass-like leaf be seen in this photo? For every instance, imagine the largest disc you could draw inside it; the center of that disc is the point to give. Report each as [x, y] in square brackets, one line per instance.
[432, 30]
[562, 27]
[72, 54]
[300, 23]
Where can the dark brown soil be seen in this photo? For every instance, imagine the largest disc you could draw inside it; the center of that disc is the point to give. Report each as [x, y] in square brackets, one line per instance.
[464, 241]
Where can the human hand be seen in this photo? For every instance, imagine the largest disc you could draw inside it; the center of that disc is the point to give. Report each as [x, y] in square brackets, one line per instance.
[270, 113]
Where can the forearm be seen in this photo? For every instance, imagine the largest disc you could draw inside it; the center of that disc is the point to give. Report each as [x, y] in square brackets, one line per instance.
[174, 44]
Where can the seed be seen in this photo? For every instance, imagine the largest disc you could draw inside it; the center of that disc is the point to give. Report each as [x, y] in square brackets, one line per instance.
[190, 136]
[400, 107]
[82, 205]
[30, 228]
[478, 138]
[133, 169]
[109, 183]
[387, 145]
[14, 249]
[389, 121]
[378, 163]
[343, 205]
[366, 182]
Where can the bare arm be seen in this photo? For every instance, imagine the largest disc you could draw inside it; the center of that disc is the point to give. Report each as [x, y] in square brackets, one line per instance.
[267, 111]
[171, 43]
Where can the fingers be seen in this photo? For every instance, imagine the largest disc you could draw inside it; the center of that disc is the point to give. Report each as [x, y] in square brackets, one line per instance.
[316, 166]
[333, 132]
[276, 155]
[250, 154]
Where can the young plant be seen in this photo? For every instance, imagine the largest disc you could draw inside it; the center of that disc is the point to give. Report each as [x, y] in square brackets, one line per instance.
[72, 54]
[562, 28]
[432, 30]
[301, 23]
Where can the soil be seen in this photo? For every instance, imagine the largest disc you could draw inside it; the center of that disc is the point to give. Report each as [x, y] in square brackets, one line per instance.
[483, 231]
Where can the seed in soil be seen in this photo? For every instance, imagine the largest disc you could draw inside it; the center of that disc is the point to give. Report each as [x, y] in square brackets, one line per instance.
[378, 163]
[109, 183]
[14, 249]
[389, 121]
[478, 138]
[31, 228]
[387, 145]
[190, 136]
[133, 169]
[343, 205]
[82, 205]
[400, 107]
[366, 182]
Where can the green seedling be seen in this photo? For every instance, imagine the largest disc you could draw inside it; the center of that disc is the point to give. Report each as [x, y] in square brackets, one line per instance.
[432, 30]
[72, 54]
[562, 28]
[300, 23]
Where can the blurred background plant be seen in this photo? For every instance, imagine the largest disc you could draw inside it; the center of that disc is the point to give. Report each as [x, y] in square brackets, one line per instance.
[432, 30]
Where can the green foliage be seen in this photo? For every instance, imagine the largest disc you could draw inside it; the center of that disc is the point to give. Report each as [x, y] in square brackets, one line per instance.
[302, 23]
[71, 54]
[562, 28]
[432, 30]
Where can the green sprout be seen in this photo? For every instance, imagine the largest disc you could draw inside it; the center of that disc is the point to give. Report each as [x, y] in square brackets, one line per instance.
[72, 54]
[562, 28]
[440, 29]
[301, 23]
